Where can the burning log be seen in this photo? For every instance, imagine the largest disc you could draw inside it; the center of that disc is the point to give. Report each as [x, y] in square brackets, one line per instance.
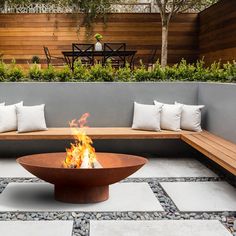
[96, 164]
[87, 163]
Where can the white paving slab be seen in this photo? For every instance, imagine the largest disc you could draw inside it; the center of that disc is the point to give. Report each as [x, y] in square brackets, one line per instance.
[39, 197]
[155, 228]
[36, 228]
[173, 167]
[202, 196]
[9, 168]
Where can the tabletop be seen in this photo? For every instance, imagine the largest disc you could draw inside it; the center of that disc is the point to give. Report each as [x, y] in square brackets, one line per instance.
[99, 53]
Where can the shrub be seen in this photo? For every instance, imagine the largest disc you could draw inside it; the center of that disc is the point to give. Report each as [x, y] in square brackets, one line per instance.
[216, 72]
[230, 71]
[99, 72]
[201, 72]
[49, 74]
[158, 73]
[64, 75]
[35, 60]
[124, 74]
[15, 73]
[81, 72]
[182, 71]
[3, 71]
[35, 73]
[141, 73]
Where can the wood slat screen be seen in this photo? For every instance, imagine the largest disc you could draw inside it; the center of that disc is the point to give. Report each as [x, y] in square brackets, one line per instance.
[23, 35]
[217, 34]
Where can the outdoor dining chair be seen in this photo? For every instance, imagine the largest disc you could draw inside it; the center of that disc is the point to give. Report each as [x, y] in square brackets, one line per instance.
[153, 57]
[117, 60]
[52, 60]
[84, 53]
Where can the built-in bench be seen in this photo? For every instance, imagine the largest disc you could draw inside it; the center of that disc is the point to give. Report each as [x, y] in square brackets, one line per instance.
[94, 133]
[217, 149]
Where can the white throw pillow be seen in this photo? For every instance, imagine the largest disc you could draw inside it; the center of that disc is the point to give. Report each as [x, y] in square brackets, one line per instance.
[2, 104]
[8, 119]
[31, 118]
[191, 117]
[146, 117]
[170, 116]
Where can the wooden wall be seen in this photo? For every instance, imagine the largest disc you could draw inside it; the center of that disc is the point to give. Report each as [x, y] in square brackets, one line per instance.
[23, 35]
[217, 34]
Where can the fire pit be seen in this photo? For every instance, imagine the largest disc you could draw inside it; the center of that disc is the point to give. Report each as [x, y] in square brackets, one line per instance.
[82, 185]
[80, 175]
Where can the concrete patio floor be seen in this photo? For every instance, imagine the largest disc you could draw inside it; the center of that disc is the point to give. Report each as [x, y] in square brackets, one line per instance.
[177, 195]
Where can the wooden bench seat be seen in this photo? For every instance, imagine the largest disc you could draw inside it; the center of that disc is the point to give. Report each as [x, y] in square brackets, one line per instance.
[217, 149]
[94, 133]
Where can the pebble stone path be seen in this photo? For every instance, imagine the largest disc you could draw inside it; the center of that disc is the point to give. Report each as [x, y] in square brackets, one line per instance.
[82, 219]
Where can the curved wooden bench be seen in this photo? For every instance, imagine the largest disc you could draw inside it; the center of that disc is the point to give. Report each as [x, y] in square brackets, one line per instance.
[217, 149]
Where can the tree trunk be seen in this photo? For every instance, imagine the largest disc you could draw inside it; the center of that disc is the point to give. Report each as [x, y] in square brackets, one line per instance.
[164, 47]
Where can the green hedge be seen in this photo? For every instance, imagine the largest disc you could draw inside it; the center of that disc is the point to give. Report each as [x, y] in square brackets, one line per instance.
[182, 71]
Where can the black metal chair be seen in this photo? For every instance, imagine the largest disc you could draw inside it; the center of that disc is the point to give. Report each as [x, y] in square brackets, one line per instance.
[153, 57]
[52, 60]
[84, 53]
[110, 54]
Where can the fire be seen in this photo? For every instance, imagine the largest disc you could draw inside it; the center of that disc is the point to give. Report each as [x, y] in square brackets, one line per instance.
[81, 154]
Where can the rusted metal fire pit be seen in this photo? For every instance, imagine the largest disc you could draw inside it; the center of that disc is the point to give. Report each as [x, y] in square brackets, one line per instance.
[82, 185]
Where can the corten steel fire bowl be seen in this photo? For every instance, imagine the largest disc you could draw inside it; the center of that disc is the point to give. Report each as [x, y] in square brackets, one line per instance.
[82, 185]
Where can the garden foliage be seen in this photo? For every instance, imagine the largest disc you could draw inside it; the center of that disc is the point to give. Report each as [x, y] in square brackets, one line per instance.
[182, 71]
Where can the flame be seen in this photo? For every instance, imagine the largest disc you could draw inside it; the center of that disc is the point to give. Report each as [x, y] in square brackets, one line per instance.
[81, 154]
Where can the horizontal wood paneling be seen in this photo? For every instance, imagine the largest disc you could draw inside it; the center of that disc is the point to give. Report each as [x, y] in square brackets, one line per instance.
[217, 34]
[23, 35]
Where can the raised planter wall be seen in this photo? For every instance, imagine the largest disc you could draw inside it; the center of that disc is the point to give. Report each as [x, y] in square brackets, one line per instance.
[111, 104]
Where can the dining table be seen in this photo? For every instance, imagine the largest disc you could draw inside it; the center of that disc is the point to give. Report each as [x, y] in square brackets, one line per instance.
[70, 55]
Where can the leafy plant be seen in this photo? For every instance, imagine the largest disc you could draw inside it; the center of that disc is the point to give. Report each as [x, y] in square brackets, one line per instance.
[64, 75]
[141, 73]
[15, 73]
[158, 73]
[124, 74]
[49, 74]
[216, 72]
[81, 72]
[98, 37]
[201, 72]
[35, 73]
[99, 72]
[35, 60]
[92, 9]
[182, 71]
[3, 71]
[230, 71]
